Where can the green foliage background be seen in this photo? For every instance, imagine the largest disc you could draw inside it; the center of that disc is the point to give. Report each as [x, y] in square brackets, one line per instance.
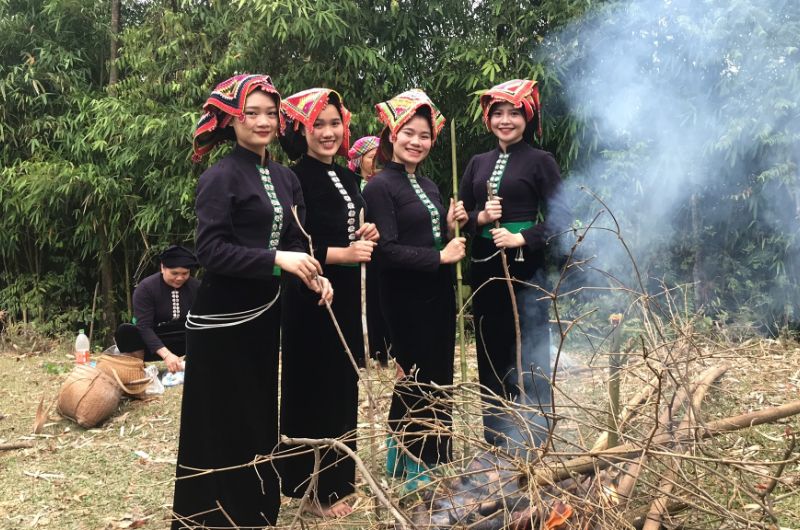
[98, 179]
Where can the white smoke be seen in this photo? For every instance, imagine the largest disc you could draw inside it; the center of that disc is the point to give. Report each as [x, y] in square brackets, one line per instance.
[686, 99]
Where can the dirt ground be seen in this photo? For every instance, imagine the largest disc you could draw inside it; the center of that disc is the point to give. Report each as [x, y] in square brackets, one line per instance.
[120, 474]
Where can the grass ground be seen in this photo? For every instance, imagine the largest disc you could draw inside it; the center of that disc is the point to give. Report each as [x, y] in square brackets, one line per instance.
[120, 474]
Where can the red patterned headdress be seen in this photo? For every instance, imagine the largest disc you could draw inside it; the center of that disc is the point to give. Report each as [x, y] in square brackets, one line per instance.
[225, 103]
[305, 106]
[361, 147]
[401, 108]
[522, 93]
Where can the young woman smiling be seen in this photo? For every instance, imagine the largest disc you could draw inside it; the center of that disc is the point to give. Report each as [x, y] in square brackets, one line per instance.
[525, 182]
[319, 385]
[415, 255]
[245, 238]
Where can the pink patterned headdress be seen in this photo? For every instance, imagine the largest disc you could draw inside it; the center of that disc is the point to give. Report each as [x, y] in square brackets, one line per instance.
[361, 147]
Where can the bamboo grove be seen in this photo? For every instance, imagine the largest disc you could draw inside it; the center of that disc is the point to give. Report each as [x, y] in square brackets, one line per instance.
[98, 100]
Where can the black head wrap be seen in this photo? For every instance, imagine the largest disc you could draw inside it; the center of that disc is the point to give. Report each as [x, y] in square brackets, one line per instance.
[178, 256]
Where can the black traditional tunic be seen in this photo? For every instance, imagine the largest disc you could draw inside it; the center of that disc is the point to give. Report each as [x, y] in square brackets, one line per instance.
[319, 384]
[418, 302]
[160, 313]
[528, 181]
[230, 397]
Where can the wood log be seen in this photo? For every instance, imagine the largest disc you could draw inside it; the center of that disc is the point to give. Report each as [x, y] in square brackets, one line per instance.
[15, 445]
[751, 419]
[632, 471]
[658, 509]
[602, 459]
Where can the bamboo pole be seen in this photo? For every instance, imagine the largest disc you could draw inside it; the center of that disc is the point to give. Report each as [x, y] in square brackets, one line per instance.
[459, 277]
[627, 412]
[614, 368]
[462, 347]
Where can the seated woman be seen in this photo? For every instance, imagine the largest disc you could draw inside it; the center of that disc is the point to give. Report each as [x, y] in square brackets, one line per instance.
[160, 304]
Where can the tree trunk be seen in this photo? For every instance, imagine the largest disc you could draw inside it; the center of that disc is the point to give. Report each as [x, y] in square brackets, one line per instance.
[698, 274]
[113, 74]
[128, 297]
[107, 283]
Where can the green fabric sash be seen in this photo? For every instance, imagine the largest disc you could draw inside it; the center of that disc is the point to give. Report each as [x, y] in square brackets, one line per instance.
[515, 227]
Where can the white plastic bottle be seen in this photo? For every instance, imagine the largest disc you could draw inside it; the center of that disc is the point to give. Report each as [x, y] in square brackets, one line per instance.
[81, 348]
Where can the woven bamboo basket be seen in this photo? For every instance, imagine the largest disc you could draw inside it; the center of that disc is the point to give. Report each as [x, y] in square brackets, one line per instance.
[127, 371]
[88, 396]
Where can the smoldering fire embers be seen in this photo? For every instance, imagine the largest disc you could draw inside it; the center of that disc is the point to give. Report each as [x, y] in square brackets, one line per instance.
[491, 494]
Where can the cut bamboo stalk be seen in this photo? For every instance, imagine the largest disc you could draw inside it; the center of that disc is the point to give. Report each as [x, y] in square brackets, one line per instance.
[462, 346]
[628, 412]
[614, 368]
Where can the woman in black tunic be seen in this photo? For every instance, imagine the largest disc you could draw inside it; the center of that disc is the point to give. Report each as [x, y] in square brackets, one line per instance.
[416, 281]
[319, 384]
[245, 237]
[160, 305]
[525, 182]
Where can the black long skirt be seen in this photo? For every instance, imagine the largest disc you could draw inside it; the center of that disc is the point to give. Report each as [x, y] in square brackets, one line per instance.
[496, 343]
[229, 414]
[379, 343]
[420, 314]
[319, 385]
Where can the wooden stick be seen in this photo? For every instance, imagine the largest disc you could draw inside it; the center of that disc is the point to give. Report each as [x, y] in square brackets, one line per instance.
[330, 310]
[402, 519]
[637, 518]
[514, 309]
[310, 495]
[367, 362]
[16, 445]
